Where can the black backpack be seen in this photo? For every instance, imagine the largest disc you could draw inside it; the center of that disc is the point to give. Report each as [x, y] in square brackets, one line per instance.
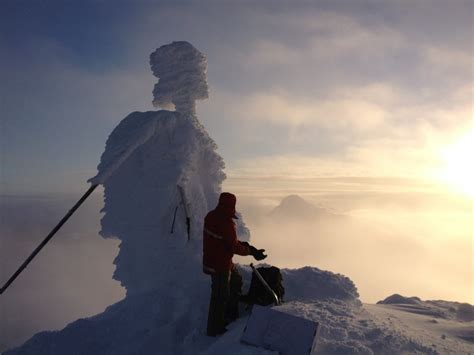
[258, 294]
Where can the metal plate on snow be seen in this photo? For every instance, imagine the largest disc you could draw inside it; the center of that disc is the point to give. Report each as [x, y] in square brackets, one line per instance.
[286, 333]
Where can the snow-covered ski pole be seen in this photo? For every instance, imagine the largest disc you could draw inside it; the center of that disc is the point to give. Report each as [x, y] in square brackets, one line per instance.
[188, 220]
[276, 300]
[48, 238]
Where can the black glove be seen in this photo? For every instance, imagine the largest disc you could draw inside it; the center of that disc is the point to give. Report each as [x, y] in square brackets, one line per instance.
[258, 254]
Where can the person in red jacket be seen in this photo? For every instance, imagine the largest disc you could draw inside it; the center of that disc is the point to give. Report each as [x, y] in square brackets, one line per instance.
[220, 243]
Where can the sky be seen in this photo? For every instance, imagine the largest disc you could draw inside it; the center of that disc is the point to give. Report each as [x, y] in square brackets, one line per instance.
[328, 88]
[361, 107]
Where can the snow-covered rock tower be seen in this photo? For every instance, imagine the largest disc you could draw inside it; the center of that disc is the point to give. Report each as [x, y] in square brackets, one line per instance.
[147, 156]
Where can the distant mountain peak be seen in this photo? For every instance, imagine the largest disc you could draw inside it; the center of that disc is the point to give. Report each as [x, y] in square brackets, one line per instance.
[295, 200]
[297, 208]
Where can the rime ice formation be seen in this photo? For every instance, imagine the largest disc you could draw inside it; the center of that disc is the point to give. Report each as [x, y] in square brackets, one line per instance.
[146, 157]
[141, 196]
[181, 69]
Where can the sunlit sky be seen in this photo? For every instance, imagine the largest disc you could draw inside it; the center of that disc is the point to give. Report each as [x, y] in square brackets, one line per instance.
[297, 89]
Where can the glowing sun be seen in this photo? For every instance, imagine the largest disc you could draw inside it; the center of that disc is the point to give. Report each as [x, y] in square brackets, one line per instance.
[458, 169]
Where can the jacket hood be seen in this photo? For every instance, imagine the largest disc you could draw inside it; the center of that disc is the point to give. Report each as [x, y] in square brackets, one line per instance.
[226, 205]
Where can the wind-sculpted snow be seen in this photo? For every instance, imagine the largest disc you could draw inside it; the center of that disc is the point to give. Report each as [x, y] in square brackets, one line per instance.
[399, 299]
[181, 69]
[146, 157]
[463, 312]
[310, 283]
[131, 133]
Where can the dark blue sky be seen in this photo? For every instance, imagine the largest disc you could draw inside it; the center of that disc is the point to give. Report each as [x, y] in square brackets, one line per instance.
[88, 29]
[315, 84]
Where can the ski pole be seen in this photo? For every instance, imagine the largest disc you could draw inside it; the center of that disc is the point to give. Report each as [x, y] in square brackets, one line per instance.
[188, 220]
[276, 300]
[174, 219]
[48, 238]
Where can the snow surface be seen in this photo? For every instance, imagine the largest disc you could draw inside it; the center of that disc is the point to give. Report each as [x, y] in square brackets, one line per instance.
[165, 310]
[170, 322]
[438, 335]
[462, 312]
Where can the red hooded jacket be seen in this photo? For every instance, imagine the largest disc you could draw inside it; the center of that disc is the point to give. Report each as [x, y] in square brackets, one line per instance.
[220, 241]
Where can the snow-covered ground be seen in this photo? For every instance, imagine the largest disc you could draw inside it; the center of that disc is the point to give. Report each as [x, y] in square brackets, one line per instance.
[160, 323]
[444, 336]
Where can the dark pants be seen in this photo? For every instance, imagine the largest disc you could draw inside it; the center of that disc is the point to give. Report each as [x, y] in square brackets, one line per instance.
[226, 289]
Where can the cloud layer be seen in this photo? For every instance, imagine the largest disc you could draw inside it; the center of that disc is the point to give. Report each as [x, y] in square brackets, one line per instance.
[325, 81]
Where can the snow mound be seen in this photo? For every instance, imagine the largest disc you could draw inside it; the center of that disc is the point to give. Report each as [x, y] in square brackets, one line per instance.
[462, 312]
[465, 312]
[311, 284]
[181, 69]
[421, 333]
[347, 328]
[399, 299]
